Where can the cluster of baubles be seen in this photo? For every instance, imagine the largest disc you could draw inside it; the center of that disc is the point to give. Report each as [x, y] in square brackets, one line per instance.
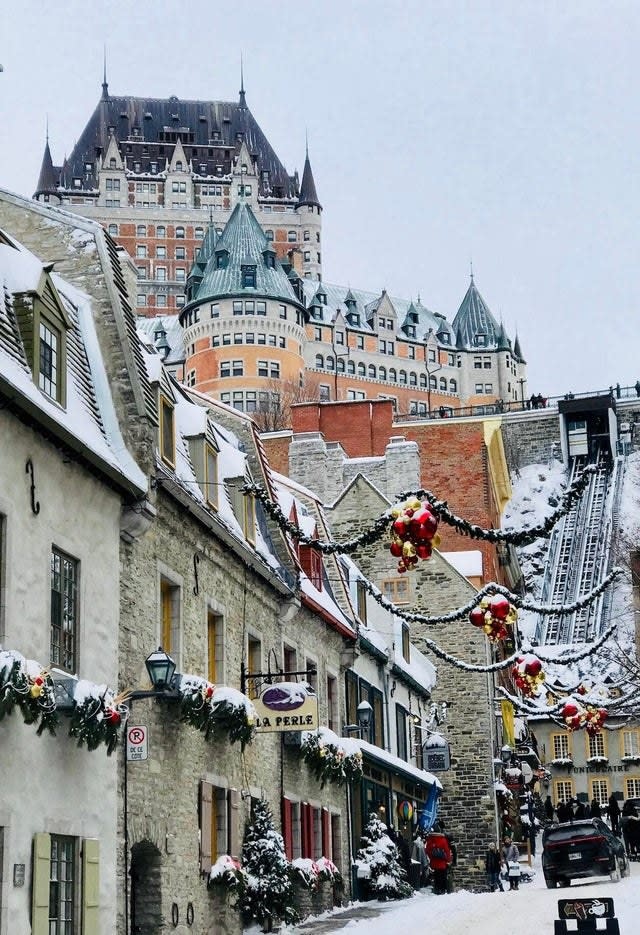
[495, 615]
[113, 716]
[413, 533]
[528, 675]
[37, 686]
[576, 715]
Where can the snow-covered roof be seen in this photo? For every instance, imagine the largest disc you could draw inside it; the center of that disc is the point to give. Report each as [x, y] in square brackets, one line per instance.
[395, 763]
[87, 420]
[468, 563]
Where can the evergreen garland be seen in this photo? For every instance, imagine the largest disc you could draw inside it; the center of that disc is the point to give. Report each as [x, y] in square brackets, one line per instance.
[24, 684]
[210, 709]
[387, 879]
[96, 720]
[328, 760]
[267, 895]
[380, 525]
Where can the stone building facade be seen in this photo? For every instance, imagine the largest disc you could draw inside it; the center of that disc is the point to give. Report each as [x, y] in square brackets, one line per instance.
[67, 485]
[158, 173]
[356, 491]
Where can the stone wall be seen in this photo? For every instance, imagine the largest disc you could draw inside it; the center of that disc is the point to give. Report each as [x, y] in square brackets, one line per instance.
[163, 791]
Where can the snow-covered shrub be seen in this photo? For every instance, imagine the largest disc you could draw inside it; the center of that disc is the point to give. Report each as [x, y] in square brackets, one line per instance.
[227, 872]
[267, 894]
[378, 854]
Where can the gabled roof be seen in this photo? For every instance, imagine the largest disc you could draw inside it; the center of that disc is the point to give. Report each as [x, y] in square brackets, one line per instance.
[474, 318]
[87, 423]
[215, 128]
[308, 195]
[245, 243]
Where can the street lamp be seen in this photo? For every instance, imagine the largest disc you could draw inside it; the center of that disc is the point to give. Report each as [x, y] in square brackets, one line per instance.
[505, 754]
[161, 669]
[364, 712]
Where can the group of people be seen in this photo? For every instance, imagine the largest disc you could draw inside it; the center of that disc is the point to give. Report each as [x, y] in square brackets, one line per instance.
[430, 859]
[504, 862]
[536, 402]
[624, 822]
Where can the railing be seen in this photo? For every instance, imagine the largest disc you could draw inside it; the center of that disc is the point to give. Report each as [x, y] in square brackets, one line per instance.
[501, 407]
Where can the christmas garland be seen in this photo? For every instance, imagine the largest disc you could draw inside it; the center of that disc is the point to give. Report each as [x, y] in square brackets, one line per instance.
[324, 752]
[492, 588]
[96, 716]
[439, 508]
[210, 709]
[26, 685]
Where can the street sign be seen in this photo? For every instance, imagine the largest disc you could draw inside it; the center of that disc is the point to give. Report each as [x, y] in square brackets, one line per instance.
[436, 759]
[137, 743]
[286, 707]
[584, 913]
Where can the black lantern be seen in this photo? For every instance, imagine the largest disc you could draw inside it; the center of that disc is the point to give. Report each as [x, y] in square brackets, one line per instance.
[161, 669]
[363, 713]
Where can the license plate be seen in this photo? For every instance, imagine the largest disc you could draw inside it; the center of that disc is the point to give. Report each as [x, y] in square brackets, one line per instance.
[575, 856]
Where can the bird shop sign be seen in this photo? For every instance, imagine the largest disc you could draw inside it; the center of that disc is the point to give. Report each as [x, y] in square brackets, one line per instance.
[286, 706]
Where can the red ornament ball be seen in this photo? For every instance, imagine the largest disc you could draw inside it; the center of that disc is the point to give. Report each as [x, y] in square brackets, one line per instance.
[500, 607]
[476, 617]
[396, 548]
[570, 709]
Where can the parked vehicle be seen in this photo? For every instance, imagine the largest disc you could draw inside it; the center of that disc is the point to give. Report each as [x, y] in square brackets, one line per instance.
[577, 849]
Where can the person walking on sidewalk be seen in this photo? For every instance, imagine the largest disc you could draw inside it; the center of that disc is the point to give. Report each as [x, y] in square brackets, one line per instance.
[493, 866]
[511, 860]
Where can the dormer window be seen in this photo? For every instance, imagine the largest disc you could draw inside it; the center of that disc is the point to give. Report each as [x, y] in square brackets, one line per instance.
[481, 340]
[49, 362]
[112, 163]
[167, 432]
[44, 323]
[311, 561]
[248, 277]
[222, 259]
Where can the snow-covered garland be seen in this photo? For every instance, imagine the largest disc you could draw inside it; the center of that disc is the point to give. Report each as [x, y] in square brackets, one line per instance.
[26, 685]
[331, 758]
[439, 508]
[490, 589]
[588, 711]
[423, 642]
[210, 709]
[97, 714]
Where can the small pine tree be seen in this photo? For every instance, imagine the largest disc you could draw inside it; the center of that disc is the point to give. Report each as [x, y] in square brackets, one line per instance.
[377, 851]
[267, 896]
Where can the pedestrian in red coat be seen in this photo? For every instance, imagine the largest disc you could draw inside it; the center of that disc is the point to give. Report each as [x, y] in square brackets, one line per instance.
[440, 858]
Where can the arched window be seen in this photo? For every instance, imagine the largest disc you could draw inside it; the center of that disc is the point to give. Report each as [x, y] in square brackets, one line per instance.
[423, 381]
[351, 367]
[340, 366]
[372, 371]
[402, 377]
[413, 379]
[393, 376]
[362, 370]
[382, 373]
[453, 386]
[443, 384]
[179, 166]
[433, 383]
[319, 362]
[330, 363]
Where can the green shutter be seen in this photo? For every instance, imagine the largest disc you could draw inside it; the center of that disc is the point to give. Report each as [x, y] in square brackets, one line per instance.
[90, 887]
[40, 877]
[206, 818]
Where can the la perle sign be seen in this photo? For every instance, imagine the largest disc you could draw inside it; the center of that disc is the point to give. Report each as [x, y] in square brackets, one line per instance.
[286, 706]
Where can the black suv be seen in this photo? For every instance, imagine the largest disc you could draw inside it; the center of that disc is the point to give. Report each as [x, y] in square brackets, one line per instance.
[581, 849]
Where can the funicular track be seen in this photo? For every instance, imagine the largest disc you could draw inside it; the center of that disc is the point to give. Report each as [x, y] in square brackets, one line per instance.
[579, 556]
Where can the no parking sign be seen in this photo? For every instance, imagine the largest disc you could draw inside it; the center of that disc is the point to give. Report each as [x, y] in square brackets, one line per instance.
[137, 743]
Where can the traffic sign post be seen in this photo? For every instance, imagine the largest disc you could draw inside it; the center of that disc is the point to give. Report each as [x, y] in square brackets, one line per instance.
[137, 744]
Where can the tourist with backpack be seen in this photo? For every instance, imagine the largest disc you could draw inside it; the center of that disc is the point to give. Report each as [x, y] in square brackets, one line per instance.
[440, 858]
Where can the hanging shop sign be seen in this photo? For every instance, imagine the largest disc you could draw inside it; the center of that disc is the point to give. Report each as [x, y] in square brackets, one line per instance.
[436, 759]
[286, 706]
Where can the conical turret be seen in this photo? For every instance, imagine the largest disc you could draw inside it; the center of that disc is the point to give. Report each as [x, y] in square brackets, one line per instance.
[308, 194]
[48, 179]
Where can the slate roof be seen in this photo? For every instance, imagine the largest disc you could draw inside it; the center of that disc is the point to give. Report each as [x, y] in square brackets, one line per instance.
[87, 423]
[308, 194]
[48, 180]
[246, 243]
[211, 133]
[474, 318]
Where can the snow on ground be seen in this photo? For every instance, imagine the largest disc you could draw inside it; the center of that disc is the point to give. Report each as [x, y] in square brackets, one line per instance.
[531, 910]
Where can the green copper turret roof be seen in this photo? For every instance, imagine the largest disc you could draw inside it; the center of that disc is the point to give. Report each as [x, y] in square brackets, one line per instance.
[241, 244]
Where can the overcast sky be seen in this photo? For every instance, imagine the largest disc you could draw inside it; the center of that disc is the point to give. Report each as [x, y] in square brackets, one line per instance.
[504, 132]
